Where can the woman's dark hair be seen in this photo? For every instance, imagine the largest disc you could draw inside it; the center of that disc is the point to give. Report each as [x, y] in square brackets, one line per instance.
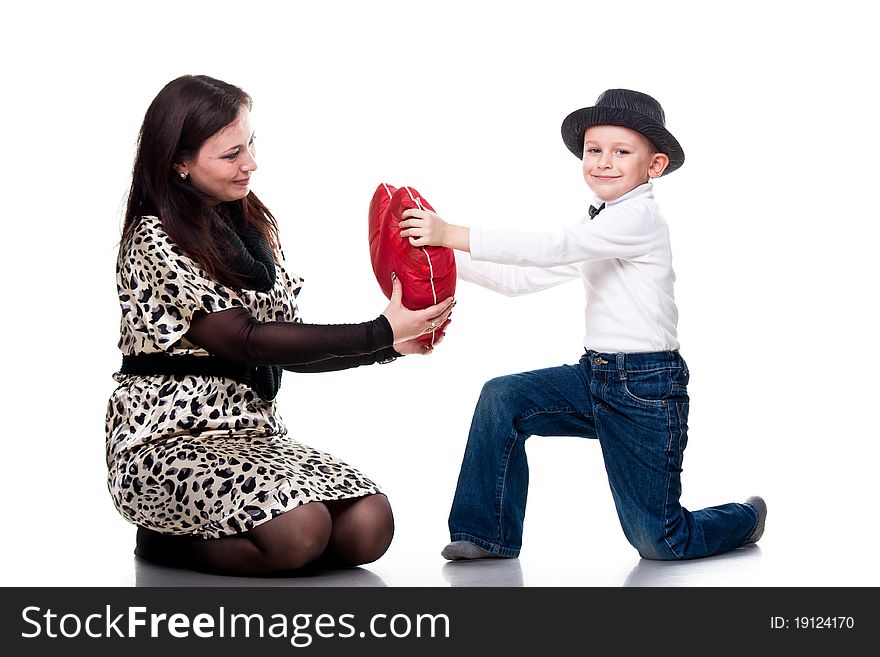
[185, 113]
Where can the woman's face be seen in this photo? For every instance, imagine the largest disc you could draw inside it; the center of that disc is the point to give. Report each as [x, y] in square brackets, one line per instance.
[223, 166]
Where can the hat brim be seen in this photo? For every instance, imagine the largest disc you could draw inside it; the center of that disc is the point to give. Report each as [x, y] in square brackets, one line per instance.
[575, 124]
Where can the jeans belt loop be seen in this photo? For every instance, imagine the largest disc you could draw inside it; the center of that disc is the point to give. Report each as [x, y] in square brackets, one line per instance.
[621, 366]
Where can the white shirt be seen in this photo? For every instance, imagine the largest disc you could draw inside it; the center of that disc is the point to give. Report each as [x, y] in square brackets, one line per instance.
[622, 255]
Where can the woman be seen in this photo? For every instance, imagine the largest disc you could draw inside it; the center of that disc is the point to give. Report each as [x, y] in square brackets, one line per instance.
[198, 458]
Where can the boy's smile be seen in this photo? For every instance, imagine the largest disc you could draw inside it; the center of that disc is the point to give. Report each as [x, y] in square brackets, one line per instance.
[617, 160]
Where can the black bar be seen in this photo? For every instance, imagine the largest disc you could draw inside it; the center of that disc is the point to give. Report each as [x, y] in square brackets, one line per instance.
[466, 621]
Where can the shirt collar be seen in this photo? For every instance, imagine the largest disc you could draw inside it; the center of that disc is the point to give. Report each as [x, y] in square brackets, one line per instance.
[645, 189]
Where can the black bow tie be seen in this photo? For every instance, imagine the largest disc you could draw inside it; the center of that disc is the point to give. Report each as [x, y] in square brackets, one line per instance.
[594, 210]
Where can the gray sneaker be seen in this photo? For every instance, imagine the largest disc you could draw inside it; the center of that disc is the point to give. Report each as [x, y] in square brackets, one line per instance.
[761, 507]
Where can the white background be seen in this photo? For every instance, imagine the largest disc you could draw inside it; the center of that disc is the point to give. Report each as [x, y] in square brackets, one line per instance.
[774, 224]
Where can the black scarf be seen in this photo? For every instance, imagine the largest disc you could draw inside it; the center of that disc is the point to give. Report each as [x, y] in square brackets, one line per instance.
[254, 263]
[252, 256]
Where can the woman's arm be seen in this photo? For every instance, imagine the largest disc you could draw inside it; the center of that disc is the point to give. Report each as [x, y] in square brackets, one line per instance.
[235, 335]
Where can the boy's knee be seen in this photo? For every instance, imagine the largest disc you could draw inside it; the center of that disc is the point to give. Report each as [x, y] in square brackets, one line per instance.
[499, 390]
[653, 547]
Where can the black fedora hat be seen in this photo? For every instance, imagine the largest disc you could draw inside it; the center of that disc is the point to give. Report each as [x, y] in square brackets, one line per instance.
[630, 109]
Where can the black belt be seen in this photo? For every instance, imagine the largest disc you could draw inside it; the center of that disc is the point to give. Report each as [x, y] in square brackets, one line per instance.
[262, 379]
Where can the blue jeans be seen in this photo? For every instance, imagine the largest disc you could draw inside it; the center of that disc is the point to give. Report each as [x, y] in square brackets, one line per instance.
[637, 406]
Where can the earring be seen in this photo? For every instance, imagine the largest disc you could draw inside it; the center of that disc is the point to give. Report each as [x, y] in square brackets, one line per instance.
[183, 175]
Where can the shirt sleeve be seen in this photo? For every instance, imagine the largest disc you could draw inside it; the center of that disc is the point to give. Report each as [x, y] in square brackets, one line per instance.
[617, 232]
[235, 335]
[512, 280]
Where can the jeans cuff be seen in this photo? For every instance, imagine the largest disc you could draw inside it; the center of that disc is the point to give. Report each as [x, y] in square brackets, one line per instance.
[488, 546]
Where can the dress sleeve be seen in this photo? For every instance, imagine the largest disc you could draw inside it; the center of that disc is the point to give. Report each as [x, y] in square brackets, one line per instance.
[237, 336]
[160, 290]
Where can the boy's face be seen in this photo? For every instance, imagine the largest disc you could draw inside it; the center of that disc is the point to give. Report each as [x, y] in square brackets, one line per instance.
[617, 160]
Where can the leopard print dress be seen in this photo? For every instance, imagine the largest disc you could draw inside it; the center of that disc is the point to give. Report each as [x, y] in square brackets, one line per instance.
[202, 455]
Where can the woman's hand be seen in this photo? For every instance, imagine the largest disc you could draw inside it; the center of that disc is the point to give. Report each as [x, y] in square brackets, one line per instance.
[410, 324]
[426, 228]
[416, 346]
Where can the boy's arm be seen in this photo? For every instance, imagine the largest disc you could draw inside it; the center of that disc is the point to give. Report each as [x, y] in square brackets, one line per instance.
[458, 237]
[622, 233]
[511, 280]
[429, 229]
[426, 228]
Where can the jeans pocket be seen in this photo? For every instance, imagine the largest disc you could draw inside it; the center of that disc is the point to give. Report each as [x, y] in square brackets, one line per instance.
[680, 377]
[651, 388]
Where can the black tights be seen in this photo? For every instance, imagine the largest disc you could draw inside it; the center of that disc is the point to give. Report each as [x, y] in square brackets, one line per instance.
[336, 534]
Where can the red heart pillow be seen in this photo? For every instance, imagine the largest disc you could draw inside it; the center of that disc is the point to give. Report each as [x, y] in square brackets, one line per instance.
[427, 273]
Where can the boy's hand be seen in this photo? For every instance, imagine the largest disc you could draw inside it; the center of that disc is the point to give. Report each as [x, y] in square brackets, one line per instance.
[426, 228]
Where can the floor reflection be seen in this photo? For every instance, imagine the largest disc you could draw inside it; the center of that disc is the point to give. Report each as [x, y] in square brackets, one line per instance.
[741, 567]
[730, 569]
[149, 574]
[483, 572]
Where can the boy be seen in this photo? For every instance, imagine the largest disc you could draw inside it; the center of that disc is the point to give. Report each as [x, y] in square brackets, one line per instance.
[629, 389]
